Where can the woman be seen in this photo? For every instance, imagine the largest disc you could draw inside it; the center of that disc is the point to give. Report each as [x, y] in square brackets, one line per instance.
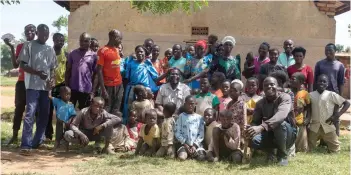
[262, 58]
[197, 66]
[227, 64]
[299, 55]
[139, 72]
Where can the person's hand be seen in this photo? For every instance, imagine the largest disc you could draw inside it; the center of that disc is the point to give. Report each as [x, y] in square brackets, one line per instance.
[306, 121]
[83, 139]
[98, 129]
[332, 119]
[192, 149]
[187, 148]
[42, 75]
[92, 95]
[7, 42]
[186, 81]
[254, 130]
[52, 82]
[104, 95]
[250, 111]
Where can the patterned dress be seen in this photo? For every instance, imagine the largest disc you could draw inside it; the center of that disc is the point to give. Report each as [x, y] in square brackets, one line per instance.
[229, 66]
[195, 66]
[239, 110]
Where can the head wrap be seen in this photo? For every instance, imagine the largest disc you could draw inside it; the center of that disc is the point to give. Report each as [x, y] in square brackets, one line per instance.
[239, 82]
[201, 43]
[229, 39]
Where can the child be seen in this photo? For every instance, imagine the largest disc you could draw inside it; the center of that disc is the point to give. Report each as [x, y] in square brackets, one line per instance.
[210, 117]
[133, 128]
[189, 132]
[149, 135]
[195, 91]
[225, 99]
[251, 97]
[167, 134]
[226, 140]
[141, 104]
[64, 113]
[94, 44]
[205, 99]
[302, 102]
[216, 83]
[323, 115]
[249, 66]
[120, 140]
[238, 105]
[164, 61]
[149, 95]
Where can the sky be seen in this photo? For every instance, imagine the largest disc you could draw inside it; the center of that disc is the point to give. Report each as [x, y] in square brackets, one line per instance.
[14, 17]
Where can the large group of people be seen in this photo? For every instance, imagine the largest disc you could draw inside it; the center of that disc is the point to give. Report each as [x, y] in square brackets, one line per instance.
[191, 104]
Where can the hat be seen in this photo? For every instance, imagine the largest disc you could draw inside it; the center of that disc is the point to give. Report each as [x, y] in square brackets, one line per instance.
[229, 39]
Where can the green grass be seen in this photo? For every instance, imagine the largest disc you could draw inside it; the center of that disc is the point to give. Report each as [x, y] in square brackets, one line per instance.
[10, 93]
[8, 81]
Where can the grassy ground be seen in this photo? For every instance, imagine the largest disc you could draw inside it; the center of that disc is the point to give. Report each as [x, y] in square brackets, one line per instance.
[6, 92]
[8, 81]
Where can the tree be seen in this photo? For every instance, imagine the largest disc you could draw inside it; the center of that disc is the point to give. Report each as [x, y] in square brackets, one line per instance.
[348, 49]
[9, 2]
[339, 48]
[163, 7]
[60, 23]
[5, 53]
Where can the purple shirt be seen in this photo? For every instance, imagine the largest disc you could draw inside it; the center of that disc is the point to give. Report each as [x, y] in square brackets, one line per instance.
[335, 72]
[83, 66]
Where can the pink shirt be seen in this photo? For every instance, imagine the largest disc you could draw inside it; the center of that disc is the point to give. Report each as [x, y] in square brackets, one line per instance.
[258, 63]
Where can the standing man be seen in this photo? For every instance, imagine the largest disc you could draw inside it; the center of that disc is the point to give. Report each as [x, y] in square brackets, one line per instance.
[80, 72]
[20, 91]
[59, 41]
[286, 58]
[109, 72]
[38, 60]
[148, 44]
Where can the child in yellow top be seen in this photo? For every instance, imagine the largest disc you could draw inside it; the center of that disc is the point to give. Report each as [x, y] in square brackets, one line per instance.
[251, 97]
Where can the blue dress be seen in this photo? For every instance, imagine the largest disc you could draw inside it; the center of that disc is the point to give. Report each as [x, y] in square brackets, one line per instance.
[195, 66]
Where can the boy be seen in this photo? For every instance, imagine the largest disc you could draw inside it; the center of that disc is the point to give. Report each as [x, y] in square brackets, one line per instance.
[323, 115]
[302, 102]
[94, 44]
[120, 140]
[210, 121]
[141, 104]
[189, 132]
[249, 66]
[167, 134]
[216, 83]
[226, 140]
[251, 97]
[225, 99]
[149, 135]
[205, 99]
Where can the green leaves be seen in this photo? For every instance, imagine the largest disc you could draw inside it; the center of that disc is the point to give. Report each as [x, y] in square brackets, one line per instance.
[164, 7]
[9, 2]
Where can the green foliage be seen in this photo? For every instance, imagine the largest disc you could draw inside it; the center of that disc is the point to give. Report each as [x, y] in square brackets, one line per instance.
[348, 49]
[9, 2]
[164, 7]
[61, 23]
[5, 53]
[339, 48]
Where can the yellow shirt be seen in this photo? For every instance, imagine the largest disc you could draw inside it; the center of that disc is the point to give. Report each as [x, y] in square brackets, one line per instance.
[302, 98]
[61, 68]
[252, 104]
[153, 133]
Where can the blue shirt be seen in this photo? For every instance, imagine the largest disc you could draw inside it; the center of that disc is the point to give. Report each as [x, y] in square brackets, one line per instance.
[180, 63]
[141, 74]
[286, 62]
[64, 111]
[195, 66]
[190, 129]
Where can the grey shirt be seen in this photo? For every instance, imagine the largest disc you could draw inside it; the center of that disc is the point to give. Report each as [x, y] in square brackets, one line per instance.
[335, 71]
[40, 57]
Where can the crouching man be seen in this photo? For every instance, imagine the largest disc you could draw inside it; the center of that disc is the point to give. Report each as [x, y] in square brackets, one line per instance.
[93, 124]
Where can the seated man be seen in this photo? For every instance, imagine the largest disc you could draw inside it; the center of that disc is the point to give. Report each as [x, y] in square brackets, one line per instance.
[273, 123]
[93, 124]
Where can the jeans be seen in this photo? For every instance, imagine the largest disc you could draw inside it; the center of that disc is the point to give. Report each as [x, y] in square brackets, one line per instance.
[282, 137]
[36, 99]
[20, 104]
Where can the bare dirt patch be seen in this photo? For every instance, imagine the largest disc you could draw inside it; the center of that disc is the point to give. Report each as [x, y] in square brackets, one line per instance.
[7, 101]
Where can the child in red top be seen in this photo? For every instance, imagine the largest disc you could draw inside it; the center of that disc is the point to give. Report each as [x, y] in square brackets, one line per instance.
[133, 128]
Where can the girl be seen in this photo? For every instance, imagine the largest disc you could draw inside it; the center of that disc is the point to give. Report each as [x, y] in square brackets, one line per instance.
[262, 58]
[156, 63]
[141, 104]
[251, 97]
[133, 128]
[225, 99]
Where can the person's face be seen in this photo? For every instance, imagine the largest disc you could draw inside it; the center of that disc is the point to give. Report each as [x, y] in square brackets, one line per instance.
[59, 42]
[200, 51]
[151, 118]
[97, 107]
[209, 116]
[273, 57]
[94, 46]
[288, 46]
[298, 57]
[212, 40]
[234, 91]
[192, 50]
[250, 58]
[177, 51]
[225, 121]
[168, 54]
[329, 52]
[84, 42]
[220, 51]
[43, 35]
[148, 44]
[228, 46]
[225, 88]
[155, 52]
[29, 32]
[263, 50]
[174, 76]
[214, 79]
[132, 117]
[140, 54]
[116, 39]
[322, 83]
[65, 95]
[295, 82]
[166, 113]
[252, 86]
[270, 87]
[142, 94]
[190, 105]
[204, 85]
[148, 94]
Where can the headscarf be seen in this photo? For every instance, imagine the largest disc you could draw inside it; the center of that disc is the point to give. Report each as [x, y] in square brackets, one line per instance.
[201, 43]
[239, 82]
[229, 39]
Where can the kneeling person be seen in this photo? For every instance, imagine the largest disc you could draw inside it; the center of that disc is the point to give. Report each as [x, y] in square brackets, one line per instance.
[93, 124]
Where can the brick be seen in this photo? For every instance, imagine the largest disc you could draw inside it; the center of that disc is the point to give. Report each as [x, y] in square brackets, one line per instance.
[330, 13]
[323, 9]
[331, 5]
[321, 4]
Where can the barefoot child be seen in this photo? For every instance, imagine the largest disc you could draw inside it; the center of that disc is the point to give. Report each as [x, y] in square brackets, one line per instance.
[149, 135]
[133, 128]
[225, 99]
[205, 99]
[167, 134]
[226, 140]
[210, 117]
[251, 97]
[120, 140]
[189, 132]
[64, 113]
[141, 104]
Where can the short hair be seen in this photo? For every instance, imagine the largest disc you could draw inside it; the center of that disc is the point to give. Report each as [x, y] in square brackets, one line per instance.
[180, 46]
[56, 35]
[139, 89]
[30, 26]
[253, 79]
[249, 54]
[154, 46]
[204, 78]
[220, 75]
[226, 113]
[218, 47]
[150, 112]
[42, 27]
[323, 75]
[299, 49]
[280, 75]
[227, 81]
[188, 97]
[93, 39]
[213, 110]
[118, 114]
[98, 99]
[331, 44]
[170, 107]
[64, 89]
[149, 39]
[299, 76]
[215, 37]
[266, 44]
[132, 110]
[112, 32]
[140, 46]
[274, 49]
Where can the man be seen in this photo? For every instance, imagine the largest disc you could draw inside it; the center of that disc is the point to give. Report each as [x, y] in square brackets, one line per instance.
[59, 41]
[148, 44]
[173, 91]
[38, 60]
[177, 60]
[271, 124]
[20, 90]
[109, 72]
[80, 72]
[93, 124]
[286, 58]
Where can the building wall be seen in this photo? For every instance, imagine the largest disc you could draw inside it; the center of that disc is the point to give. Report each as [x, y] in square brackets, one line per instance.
[250, 23]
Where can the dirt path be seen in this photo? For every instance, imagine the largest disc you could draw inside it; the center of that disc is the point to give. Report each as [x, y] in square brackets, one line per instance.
[7, 101]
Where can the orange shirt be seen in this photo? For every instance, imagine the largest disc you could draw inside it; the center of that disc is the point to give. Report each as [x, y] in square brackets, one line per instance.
[164, 64]
[218, 93]
[158, 66]
[110, 61]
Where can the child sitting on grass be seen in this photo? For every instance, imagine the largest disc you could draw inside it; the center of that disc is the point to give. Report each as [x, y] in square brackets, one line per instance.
[205, 99]
[225, 99]
[238, 105]
[167, 134]
[149, 135]
[226, 140]
[64, 113]
[133, 128]
[210, 117]
[141, 104]
[251, 97]
[120, 140]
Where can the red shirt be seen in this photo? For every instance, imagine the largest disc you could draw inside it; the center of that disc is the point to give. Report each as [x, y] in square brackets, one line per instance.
[110, 61]
[20, 71]
[306, 70]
